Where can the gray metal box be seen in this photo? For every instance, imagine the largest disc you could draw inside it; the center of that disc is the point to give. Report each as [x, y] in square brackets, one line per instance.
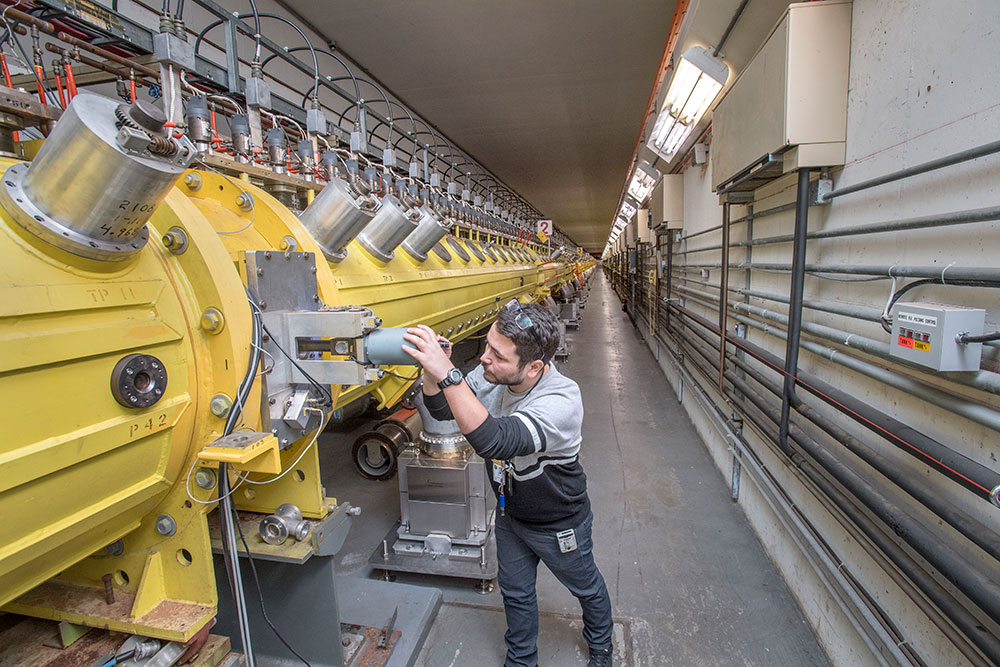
[442, 496]
[926, 334]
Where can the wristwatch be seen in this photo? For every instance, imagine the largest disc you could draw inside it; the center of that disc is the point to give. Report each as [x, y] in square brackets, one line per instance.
[454, 376]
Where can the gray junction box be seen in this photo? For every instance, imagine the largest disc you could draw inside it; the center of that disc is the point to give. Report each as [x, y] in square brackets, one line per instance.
[927, 334]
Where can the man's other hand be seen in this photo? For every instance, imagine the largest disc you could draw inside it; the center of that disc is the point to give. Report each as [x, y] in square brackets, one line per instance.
[435, 359]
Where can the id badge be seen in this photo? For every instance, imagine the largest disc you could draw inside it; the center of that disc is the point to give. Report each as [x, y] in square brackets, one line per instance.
[498, 469]
[567, 540]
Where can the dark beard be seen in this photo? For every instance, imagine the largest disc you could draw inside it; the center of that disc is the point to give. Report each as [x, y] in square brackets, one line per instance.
[507, 381]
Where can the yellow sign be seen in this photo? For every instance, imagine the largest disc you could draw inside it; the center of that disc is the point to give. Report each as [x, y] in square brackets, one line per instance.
[542, 237]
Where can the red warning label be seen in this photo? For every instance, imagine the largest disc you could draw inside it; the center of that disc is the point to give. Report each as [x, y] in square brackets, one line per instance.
[906, 342]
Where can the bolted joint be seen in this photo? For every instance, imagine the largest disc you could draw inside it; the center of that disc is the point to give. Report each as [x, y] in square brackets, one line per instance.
[193, 180]
[165, 525]
[213, 321]
[205, 478]
[244, 202]
[220, 404]
[175, 240]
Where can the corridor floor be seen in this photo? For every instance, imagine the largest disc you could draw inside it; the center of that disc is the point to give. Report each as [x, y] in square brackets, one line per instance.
[690, 583]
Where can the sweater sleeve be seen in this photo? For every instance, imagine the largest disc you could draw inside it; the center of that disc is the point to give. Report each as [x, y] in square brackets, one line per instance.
[502, 438]
[438, 406]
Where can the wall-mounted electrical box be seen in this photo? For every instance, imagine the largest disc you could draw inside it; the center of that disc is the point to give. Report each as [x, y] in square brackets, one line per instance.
[666, 204]
[927, 334]
[642, 223]
[791, 98]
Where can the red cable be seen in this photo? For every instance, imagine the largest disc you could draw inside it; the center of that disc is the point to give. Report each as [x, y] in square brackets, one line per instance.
[70, 81]
[59, 87]
[132, 89]
[6, 78]
[41, 89]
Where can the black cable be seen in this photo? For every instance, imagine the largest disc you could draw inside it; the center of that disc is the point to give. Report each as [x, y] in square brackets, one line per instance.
[260, 592]
[886, 323]
[985, 338]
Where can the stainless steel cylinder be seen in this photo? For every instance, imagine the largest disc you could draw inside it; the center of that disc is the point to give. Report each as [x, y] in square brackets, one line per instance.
[277, 149]
[336, 216]
[439, 439]
[97, 179]
[431, 228]
[393, 222]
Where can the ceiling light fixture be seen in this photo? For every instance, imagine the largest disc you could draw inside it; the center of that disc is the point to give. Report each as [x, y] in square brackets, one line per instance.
[643, 179]
[628, 209]
[696, 83]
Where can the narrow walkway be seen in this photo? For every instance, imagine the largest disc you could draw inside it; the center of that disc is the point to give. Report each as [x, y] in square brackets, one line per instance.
[690, 583]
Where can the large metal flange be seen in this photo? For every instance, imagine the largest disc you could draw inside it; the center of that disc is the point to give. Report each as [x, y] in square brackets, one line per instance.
[25, 213]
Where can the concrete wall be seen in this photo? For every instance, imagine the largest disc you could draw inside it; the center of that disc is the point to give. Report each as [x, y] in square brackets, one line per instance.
[920, 87]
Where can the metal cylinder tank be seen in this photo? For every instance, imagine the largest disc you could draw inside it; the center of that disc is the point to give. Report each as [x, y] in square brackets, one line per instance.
[393, 222]
[97, 179]
[431, 228]
[336, 216]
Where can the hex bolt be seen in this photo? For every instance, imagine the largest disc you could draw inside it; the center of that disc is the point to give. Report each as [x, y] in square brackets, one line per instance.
[212, 320]
[244, 202]
[109, 590]
[165, 525]
[175, 240]
[205, 478]
[220, 405]
[193, 180]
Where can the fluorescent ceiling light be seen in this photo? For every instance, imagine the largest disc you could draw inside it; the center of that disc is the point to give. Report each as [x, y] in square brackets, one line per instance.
[643, 179]
[696, 83]
[628, 209]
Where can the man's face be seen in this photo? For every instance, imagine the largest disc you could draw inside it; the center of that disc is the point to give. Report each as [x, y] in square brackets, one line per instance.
[500, 360]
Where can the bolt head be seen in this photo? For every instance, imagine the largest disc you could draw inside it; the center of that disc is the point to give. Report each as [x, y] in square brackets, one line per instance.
[165, 525]
[220, 405]
[212, 320]
[205, 478]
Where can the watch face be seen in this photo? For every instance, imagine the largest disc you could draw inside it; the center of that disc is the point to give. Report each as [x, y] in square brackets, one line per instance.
[454, 376]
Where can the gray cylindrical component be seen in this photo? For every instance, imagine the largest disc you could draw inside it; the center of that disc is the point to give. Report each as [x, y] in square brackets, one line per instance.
[87, 195]
[392, 223]
[197, 107]
[430, 229]
[305, 149]
[384, 347]
[336, 216]
[199, 122]
[239, 127]
[439, 438]
[277, 149]
[328, 158]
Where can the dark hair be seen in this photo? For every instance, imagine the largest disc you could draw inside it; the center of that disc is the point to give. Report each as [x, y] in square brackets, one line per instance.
[539, 341]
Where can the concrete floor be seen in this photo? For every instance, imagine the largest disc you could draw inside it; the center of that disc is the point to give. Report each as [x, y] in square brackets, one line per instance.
[689, 581]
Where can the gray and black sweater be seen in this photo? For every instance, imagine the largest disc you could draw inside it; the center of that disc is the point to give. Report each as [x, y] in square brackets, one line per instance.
[538, 432]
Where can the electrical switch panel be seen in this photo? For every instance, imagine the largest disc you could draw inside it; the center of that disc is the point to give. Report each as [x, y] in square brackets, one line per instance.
[928, 334]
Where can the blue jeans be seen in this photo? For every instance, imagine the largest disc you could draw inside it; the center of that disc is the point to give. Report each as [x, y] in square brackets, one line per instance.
[519, 548]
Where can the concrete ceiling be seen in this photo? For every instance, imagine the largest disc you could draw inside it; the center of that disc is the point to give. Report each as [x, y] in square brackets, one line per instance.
[547, 95]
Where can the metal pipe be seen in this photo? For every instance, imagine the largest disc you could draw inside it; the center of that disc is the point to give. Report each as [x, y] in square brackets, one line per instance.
[970, 527]
[723, 292]
[971, 410]
[967, 622]
[729, 29]
[947, 161]
[795, 304]
[855, 312]
[927, 221]
[967, 473]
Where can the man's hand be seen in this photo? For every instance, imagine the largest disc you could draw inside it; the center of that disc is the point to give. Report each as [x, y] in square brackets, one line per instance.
[435, 359]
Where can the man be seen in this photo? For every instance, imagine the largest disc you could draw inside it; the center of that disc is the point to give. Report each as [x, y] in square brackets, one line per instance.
[519, 412]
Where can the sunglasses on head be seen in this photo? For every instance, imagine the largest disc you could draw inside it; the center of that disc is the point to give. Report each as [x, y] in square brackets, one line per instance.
[524, 323]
